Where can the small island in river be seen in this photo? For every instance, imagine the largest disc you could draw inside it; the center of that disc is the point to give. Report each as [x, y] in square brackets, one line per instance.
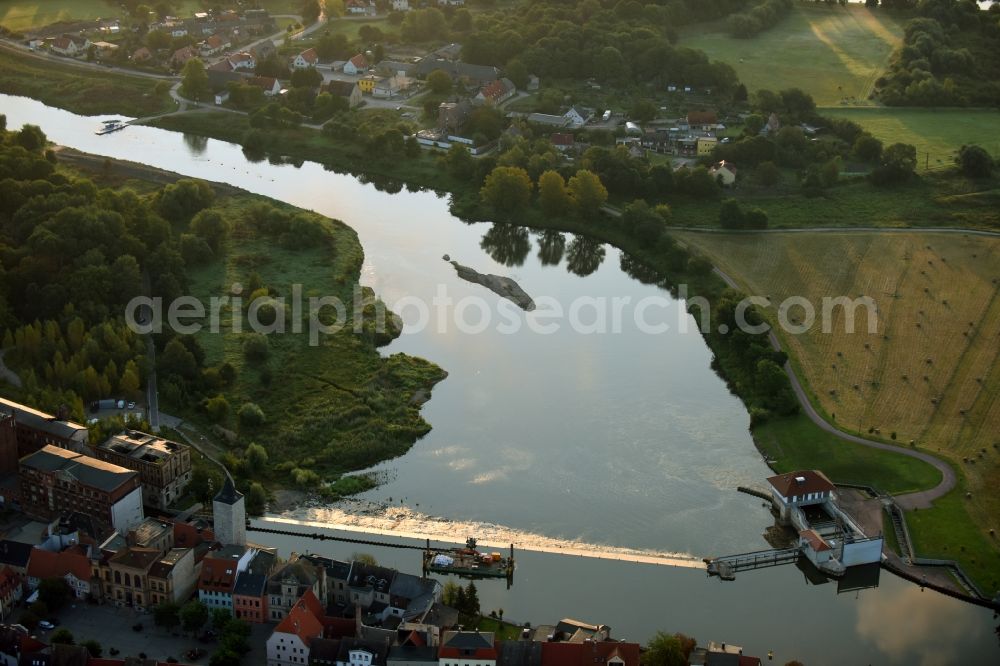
[502, 286]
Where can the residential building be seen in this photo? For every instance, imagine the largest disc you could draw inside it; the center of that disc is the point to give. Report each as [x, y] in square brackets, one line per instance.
[173, 577]
[452, 115]
[335, 575]
[411, 597]
[368, 586]
[72, 565]
[706, 121]
[725, 172]
[721, 654]
[473, 75]
[394, 68]
[367, 83]
[287, 585]
[360, 7]
[214, 44]
[15, 555]
[250, 598]
[547, 119]
[401, 5]
[130, 570]
[244, 61]
[496, 92]
[706, 144]
[357, 652]
[270, 86]
[290, 643]
[577, 116]
[54, 480]
[563, 141]
[306, 59]
[164, 466]
[141, 54]
[219, 570]
[348, 90]
[467, 648]
[413, 649]
[182, 55]
[26, 430]
[229, 515]
[70, 45]
[11, 591]
[390, 86]
[356, 65]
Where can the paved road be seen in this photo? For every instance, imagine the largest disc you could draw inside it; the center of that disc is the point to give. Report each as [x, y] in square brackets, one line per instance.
[918, 500]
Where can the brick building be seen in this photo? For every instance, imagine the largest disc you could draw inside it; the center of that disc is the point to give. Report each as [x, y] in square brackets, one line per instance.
[163, 466]
[54, 480]
[24, 430]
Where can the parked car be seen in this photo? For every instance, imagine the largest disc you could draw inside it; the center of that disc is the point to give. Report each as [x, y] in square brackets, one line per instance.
[131, 404]
[45, 624]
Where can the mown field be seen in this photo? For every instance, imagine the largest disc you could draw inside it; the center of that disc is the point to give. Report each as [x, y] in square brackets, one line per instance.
[833, 53]
[930, 371]
[937, 134]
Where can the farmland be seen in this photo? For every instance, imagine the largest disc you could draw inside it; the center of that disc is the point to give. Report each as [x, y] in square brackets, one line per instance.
[936, 133]
[833, 53]
[21, 16]
[929, 371]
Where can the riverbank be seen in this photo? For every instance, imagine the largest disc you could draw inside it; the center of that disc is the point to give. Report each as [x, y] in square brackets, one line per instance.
[340, 405]
[391, 175]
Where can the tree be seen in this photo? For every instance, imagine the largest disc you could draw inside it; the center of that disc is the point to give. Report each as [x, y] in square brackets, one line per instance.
[193, 615]
[439, 82]
[93, 647]
[867, 148]
[167, 614]
[211, 226]
[471, 599]
[553, 196]
[364, 558]
[256, 456]
[507, 189]
[731, 215]
[255, 347]
[587, 192]
[310, 11]
[62, 635]
[518, 74]
[31, 138]
[642, 110]
[256, 499]
[53, 592]
[220, 618]
[306, 77]
[225, 657]
[664, 650]
[897, 165]
[767, 174]
[974, 162]
[250, 415]
[450, 593]
[195, 83]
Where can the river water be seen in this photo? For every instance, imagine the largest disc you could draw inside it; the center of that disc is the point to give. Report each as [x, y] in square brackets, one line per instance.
[624, 438]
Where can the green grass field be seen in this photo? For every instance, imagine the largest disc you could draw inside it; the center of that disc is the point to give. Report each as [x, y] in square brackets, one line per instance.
[937, 134]
[89, 91]
[20, 16]
[796, 443]
[833, 53]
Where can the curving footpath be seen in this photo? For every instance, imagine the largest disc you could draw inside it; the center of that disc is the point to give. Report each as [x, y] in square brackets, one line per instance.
[909, 501]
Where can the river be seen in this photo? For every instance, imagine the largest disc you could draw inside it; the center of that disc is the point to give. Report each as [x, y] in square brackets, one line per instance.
[621, 438]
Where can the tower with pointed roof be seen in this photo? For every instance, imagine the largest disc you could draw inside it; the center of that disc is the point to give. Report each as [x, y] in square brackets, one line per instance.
[230, 515]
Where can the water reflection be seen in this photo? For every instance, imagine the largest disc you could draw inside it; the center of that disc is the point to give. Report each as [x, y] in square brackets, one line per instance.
[584, 256]
[643, 272]
[551, 245]
[506, 244]
[913, 626]
[196, 144]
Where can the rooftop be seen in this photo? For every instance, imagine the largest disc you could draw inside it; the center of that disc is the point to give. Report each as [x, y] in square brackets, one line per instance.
[801, 483]
[141, 446]
[84, 469]
[41, 421]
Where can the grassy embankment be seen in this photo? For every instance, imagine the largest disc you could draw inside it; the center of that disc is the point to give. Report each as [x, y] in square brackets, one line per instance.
[83, 90]
[930, 373]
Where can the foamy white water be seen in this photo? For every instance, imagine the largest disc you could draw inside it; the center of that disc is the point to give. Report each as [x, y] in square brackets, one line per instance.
[404, 522]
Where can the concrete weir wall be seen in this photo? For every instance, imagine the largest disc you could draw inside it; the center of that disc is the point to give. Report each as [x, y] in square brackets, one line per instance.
[862, 552]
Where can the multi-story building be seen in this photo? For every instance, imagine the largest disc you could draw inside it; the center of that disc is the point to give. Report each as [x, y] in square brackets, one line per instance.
[467, 648]
[173, 577]
[290, 643]
[24, 430]
[130, 573]
[152, 533]
[288, 585]
[250, 598]
[164, 466]
[71, 564]
[219, 570]
[11, 590]
[54, 480]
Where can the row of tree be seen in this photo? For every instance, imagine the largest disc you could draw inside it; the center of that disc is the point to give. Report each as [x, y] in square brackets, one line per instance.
[759, 18]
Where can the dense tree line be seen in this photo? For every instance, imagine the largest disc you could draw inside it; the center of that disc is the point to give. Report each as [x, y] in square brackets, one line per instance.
[625, 42]
[763, 16]
[948, 58]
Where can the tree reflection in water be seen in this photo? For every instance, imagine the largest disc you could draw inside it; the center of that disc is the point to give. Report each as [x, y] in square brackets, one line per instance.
[551, 245]
[196, 144]
[584, 256]
[643, 272]
[508, 244]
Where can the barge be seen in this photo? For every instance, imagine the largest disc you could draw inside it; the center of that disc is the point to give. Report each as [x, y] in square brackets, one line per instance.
[109, 126]
[468, 562]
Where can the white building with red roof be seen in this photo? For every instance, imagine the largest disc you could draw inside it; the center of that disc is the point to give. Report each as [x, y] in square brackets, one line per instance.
[289, 644]
[356, 65]
[306, 59]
